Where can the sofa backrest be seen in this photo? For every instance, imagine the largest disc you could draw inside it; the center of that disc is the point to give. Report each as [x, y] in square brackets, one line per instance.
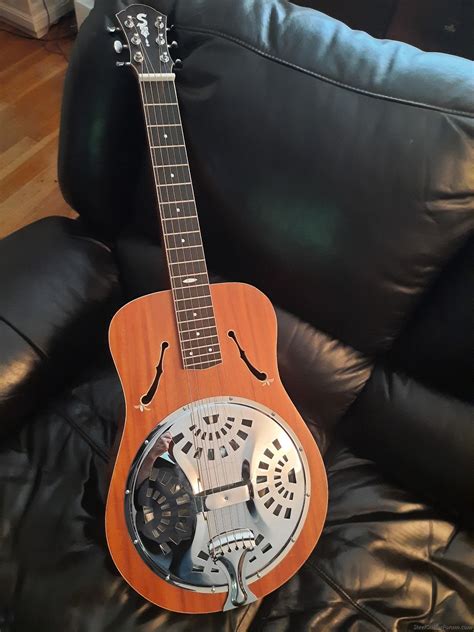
[331, 169]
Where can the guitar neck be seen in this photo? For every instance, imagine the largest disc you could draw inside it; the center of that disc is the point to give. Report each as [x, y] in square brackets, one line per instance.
[179, 222]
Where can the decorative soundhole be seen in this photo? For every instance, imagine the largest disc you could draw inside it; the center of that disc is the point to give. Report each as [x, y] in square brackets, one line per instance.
[225, 434]
[260, 375]
[277, 481]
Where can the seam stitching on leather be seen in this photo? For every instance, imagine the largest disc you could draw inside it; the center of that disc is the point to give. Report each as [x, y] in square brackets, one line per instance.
[362, 609]
[335, 82]
[95, 446]
[35, 348]
[93, 241]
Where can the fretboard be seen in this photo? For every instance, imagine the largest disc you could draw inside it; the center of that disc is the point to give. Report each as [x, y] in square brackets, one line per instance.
[180, 225]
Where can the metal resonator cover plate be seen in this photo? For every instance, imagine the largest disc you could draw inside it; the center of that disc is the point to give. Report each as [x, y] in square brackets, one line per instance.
[217, 495]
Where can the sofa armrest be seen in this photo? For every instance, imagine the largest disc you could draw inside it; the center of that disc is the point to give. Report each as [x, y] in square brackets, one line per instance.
[58, 290]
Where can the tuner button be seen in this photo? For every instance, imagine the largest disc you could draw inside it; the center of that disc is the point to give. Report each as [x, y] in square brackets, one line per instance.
[174, 44]
[168, 28]
[113, 29]
[118, 46]
[122, 63]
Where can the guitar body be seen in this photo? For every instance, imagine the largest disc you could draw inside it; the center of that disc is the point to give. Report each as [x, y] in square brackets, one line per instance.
[218, 493]
[167, 555]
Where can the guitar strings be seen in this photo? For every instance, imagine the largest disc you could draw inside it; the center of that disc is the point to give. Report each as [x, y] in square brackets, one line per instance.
[195, 414]
[206, 442]
[209, 405]
[235, 513]
[147, 64]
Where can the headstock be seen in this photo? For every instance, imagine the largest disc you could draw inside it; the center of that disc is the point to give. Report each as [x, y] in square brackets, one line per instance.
[145, 30]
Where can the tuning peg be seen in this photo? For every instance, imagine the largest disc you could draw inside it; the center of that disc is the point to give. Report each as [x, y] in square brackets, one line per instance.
[113, 29]
[119, 47]
[168, 28]
[174, 44]
[119, 64]
[178, 63]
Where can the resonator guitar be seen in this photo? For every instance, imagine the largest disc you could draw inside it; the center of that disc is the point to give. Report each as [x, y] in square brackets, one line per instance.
[218, 493]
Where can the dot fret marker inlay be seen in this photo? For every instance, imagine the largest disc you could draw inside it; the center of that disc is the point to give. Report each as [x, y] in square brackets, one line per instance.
[182, 237]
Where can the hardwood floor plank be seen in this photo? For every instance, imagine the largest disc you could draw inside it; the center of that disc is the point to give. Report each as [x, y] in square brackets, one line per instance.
[31, 86]
[29, 74]
[27, 203]
[29, 165]
[10, 158]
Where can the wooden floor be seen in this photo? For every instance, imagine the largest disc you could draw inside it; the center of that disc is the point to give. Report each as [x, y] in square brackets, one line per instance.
[31, 83]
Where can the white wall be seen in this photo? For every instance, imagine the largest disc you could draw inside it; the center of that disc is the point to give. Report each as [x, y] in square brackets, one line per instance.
[83, 8]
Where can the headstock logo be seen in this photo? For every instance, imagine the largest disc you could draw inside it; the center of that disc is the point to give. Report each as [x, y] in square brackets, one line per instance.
[143, 27]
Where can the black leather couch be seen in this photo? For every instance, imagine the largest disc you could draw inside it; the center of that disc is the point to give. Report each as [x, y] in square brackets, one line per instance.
[334, 172]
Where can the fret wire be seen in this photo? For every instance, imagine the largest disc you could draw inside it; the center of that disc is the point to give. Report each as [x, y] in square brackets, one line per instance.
[194, 308]
[189, 286]
[201, 340]
[185, 232]
[195, 320]
[208, 345]
[179, 164]
[190, 275]
[191, 298]
[164, 147]
[185, 276]
[185, 331]
[177, 201]
[174, 184]
[201, 363]
[184, 248]
[175, 287]
[194, 298]
[180, 276]
[201, 295]
[196, 338]
[201, 355]
[191, 359]
[180, 217]
[204, 300]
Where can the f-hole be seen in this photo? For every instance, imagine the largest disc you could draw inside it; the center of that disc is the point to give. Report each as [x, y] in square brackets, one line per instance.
[258, 374]
[146, 399]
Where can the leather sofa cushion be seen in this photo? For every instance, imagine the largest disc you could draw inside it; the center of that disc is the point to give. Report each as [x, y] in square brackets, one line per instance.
[385, 559]
[419, 438]
[58, 288]
[322, 375]
[332, 170]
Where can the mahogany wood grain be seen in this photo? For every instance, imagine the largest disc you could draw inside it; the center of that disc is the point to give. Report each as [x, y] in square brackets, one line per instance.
[136, 334]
